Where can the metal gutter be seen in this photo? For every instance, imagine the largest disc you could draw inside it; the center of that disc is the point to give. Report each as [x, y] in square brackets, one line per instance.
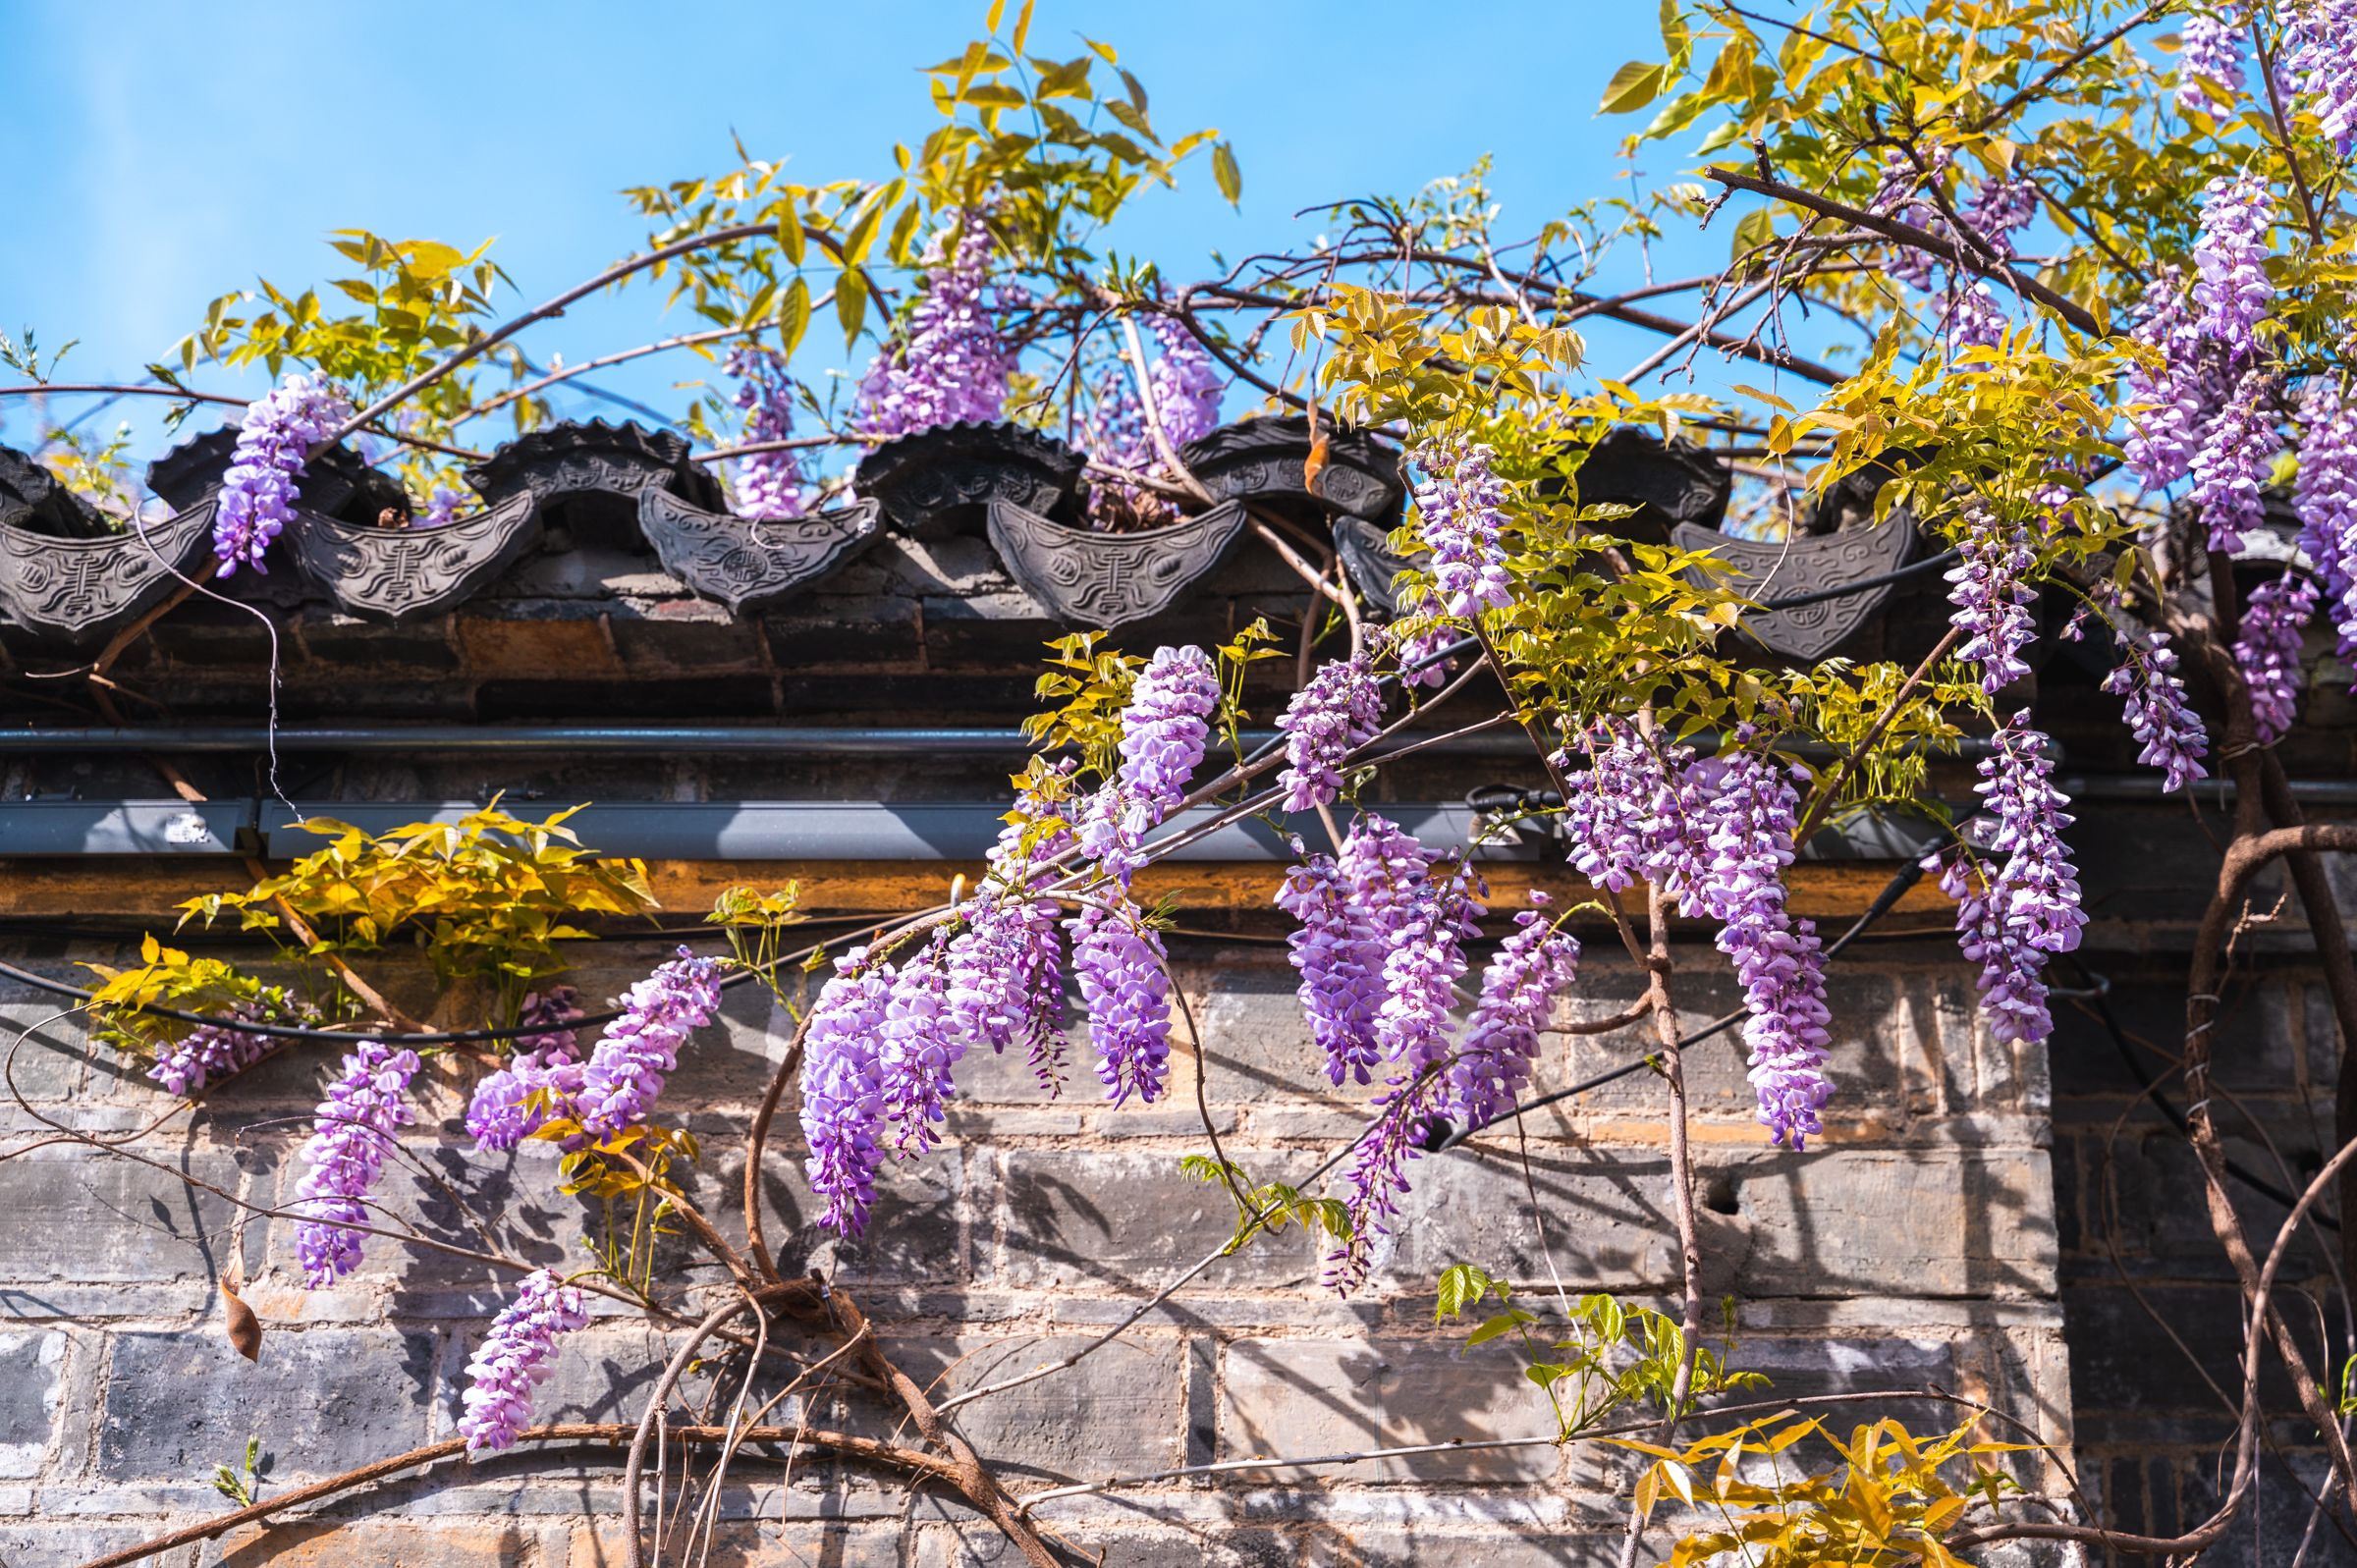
[614, 740]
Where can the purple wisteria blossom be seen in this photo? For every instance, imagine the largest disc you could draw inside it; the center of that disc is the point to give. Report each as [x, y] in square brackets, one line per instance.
[1415, 651]
[920, 1048]
[1502, 1038]
[843, 1091]
[2322, 62]
[516, 1357]
[1426, 957]
[1335, 715]
[1377, 1175]
[769, 484]
[2170, 732]
[2234, 291]
[1350, 909]
[2326, 498]
[2269, 653]
[2001, 207]
[1006, 981]
[2170, 404]
[1118, 961]
[2210, 52]
[1751, 820]
[210, 1052]
[1993, 602]
[952, 363]
[624, 1072]
[1462, 508]
[1899, 195]
[354, 1133]
[502, 1112]
[2019, 902]
[442, 508]
[2231, 466]
[1188, 386]
[274, 441]
[1633, 814]
[1163, 735]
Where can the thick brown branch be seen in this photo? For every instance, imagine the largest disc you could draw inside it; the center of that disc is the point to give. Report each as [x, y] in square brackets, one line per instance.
[610, 1432]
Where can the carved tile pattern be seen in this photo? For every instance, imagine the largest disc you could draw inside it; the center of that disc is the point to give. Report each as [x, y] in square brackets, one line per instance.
[1367, 555]
[394, 574]
[932, 481]
[591, 455]
[1264, 456]
[1108, 580]
[83, 589]
[747, 564]
[1806, 565]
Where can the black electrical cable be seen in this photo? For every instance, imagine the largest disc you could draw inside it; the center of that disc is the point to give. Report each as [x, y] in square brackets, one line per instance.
[2100, 993]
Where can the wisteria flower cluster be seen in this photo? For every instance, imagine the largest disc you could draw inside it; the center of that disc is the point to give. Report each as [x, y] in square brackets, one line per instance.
[354, 1133]
[257, 494]
[2230, 469]
[210, 1052]
[515, 1358]
[2168, 407]
[2210, 52]
[2234, 291]
[2019, 902]
[508, 1107]
[769, 484]
[1187, 387]
[1461, 510]
[1991, 598]
[1502, 1038]
[1335, 715]
[952, 363]
[2322, 62]
[1351, 908]
[2269, 653]
[2325, 496]
[2169, 732]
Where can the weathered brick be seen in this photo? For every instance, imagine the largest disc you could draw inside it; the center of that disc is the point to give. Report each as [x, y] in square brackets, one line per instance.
[1120, 1410]
[1299, 1397]
[48, 1047]
[1132, 1220]
[797, 1543]
[32, 1366]
[376, 1546]
[1256, 1040]
[113, 1222]
[322, 1400]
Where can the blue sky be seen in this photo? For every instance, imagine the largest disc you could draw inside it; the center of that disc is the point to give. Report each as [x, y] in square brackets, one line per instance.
[165, 153]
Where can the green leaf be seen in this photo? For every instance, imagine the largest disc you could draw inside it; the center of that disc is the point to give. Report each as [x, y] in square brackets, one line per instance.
[1224, 170]
[992, 95]
[1492, 1327]
[1104, 51]
[1022, 26]
[862, 235]
[1633, 86]
[850, 305]
[790, 233]
[1757, 227]
[793, 316]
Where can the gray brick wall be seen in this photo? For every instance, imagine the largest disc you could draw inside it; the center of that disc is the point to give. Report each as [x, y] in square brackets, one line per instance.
[1916, 1244]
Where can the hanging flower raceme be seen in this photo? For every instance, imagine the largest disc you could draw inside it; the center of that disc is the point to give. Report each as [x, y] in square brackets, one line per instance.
[1164, 729]
[274, 441]
[2234, 291]
[1004, 980]
[2169, 405]
[1630, 815]
[2269, 653]
[2326, 498]
[210, 1052]
[625, 1074]
[1502, 1038]
[504, 1110]
[843, 1091]
[922, 1047]
[347, 1152]
[769, 484]
[1897, 196]
[1118, 961]
[2231, 467]
[1992, 599]
[2169, 732]
[516, 1357]
[1350, 909]
[951, 364]
[1378, 1172]
[1462, 508]
[1751, 820]
[2002, 206]
[1335, 715]
[1188, 386]
[2210, 53]
[2322, 61]
[2019, 902]
[1424, 960]
[1420, 661]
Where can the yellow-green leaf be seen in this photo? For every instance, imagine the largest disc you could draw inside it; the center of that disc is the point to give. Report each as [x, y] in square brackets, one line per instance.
[793, 316]
[850, 305]
[1633, 86]
[1224, 170]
